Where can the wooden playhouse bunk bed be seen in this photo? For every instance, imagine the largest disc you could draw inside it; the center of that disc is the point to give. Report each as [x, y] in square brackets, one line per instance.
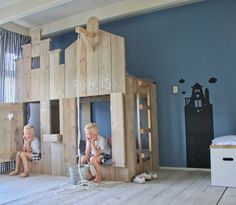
[94, 68]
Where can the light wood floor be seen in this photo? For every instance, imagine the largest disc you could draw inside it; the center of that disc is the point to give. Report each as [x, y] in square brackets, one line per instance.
[172, 187]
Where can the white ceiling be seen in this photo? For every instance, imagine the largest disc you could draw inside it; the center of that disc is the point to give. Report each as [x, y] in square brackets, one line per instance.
[6, 3]
[68, 8]
[56, 15]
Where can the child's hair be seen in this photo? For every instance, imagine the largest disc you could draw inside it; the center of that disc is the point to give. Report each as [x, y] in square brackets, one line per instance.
[92, 126]
[29, 127]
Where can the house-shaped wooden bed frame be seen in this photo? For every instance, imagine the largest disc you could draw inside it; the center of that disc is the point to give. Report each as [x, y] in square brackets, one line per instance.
[94, 70]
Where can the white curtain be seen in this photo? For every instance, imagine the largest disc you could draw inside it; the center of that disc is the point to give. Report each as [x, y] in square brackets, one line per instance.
[10, 50]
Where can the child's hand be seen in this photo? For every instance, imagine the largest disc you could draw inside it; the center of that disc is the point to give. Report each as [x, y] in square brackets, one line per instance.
[89, 139]
[25, 138]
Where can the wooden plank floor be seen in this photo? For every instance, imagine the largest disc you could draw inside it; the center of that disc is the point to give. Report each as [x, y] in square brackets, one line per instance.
[172, 187]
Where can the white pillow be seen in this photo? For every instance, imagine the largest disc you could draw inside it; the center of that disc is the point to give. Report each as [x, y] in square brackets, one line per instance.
[225, 140]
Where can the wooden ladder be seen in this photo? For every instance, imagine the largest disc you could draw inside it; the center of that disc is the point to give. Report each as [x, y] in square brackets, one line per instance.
[144, 91]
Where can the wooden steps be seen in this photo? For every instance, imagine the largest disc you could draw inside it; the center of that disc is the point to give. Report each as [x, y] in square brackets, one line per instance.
[144, 108]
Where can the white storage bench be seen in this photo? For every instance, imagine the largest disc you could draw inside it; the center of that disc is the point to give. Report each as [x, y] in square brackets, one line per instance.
[223, 165]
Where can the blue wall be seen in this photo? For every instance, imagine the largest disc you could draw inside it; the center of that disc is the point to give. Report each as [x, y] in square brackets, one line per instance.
[101, 115]
[62, 42]
[193, 42]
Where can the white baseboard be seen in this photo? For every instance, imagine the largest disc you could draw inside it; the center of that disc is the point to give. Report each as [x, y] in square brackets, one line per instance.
[184, 169]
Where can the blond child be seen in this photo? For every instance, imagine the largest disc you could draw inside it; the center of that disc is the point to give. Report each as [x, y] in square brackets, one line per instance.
[95, 146]
[31, 151]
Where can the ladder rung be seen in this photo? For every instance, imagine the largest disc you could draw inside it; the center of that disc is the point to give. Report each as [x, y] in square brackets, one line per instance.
[143, 84]
[145, 131]
[144, 107]
[143, 94]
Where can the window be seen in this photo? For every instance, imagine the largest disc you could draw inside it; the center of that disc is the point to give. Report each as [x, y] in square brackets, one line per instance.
[10, 50]
[9, 81]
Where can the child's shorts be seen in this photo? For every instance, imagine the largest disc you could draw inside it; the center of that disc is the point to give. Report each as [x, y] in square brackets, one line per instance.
[104, 157]
[35, 157]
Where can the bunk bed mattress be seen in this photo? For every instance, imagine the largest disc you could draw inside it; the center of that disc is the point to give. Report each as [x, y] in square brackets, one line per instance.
[223, 161]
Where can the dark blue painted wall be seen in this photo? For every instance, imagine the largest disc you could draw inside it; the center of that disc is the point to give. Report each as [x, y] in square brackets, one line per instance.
[193, 42]
[62, 42]
[101, 115]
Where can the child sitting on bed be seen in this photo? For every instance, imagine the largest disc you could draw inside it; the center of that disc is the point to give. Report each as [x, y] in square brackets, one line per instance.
[96, 145]
[31, 151]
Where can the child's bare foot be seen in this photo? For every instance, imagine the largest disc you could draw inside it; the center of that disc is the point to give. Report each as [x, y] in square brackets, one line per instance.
[97, 179]
[24, 174]
[15, 172]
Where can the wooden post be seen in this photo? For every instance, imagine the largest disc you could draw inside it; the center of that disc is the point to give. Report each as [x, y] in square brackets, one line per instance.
[57, 76]
[68, 127]
[130, 126]
[71, 69]
[155, 137]
[118, 130]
